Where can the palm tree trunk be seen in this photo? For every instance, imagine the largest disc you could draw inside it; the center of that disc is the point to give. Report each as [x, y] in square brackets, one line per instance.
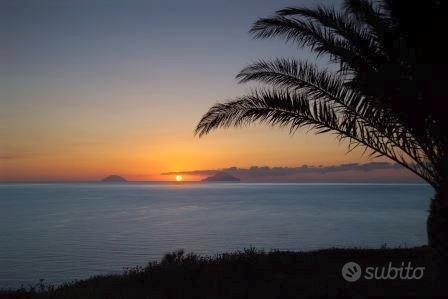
[437, 228]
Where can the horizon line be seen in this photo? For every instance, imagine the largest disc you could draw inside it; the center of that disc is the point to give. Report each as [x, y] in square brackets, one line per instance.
[208, 182]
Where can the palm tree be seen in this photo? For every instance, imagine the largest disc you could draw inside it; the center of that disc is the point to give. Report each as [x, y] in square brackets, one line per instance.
[386, 95]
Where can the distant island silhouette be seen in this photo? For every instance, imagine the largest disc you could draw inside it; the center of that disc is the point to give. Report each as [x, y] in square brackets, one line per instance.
[221, 177]
[114, 178]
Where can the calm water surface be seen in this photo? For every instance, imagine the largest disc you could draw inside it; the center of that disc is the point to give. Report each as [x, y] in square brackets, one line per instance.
[61, 232]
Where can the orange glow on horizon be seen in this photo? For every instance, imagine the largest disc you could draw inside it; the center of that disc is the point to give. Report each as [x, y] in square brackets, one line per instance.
[142, 154]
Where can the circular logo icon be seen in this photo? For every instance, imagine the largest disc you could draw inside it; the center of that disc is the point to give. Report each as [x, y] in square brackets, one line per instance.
[351, 272]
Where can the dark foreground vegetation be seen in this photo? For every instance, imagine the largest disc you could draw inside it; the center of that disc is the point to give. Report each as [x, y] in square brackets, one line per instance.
[251, 274]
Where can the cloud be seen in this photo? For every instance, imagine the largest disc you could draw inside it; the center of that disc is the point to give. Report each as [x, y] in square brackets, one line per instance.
[9, 157]
[17, 155]
[353, 172]
[263, 171]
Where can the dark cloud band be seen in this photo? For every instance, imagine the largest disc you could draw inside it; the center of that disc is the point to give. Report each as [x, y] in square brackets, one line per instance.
[265, 171]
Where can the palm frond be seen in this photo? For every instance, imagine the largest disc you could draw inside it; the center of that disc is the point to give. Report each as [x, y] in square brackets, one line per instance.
[360, 38]
[362, 102]
[307, 33]
[322, 85]
[285, 108]
[366, 13]
[316, 84]
[300, 76]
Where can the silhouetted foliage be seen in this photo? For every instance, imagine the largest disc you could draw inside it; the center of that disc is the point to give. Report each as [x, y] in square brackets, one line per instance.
[250, 274]
[383, 96]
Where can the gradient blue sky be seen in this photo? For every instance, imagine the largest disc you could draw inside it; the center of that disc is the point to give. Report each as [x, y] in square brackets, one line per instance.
[89, 88]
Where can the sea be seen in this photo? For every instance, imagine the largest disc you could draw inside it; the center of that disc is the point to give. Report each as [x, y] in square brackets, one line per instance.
[64, 232]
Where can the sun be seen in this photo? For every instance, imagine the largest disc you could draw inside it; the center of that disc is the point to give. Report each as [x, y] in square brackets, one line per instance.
[179, 178]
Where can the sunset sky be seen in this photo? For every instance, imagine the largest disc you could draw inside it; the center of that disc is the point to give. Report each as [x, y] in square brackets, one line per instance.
[91, 88]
